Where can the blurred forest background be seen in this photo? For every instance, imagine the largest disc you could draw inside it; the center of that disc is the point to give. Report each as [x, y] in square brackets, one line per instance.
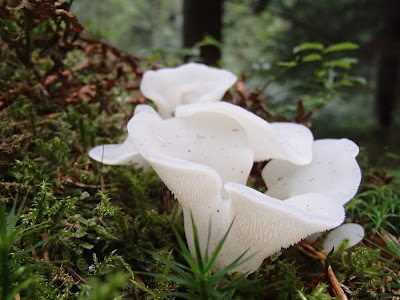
[253, 36]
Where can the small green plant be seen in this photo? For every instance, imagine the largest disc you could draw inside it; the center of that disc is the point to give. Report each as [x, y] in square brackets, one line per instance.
[290, 283]
[47, 208]
[106, 208]
[319, 74]
[393, 250]
[17, 275]
[197, 277]
[318, 293]
[330, 72]
[377, 207]
[100, 290]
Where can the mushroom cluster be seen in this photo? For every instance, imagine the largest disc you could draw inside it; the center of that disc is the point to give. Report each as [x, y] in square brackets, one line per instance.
[204, 150]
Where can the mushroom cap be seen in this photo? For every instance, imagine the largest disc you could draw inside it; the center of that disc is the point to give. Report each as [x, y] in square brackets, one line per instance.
[210, 143]
[333, 172]
[288, 141]
[264, 224]
[125, 153]
[352, 232]
[118, 154]
[186, 84]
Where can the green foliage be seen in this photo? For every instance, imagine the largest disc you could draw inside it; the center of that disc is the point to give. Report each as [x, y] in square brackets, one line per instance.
[107, 209]
[327, 73]
[318, 293]
[47, 208]
[290, 284]
[317, 75]
[341, 47]
[17, 274]
[394, 250]
[100, 290]
[202, 281]
[377, 207]
[56, 151]
[23, 110]
[308, 46]
[360, 263]
[320, 47]
[83, 124]
[391, 255]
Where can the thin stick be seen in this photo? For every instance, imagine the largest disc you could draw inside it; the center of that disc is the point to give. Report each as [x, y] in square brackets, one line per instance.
[311, 252]
[335, 283]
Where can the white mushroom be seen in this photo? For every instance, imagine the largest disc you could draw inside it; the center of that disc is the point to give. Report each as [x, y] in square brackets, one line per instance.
[186, 84]
[204, 157]
[195, 157]
[168, 88]
[353, 233]
[287, 141]
[118, 154]
[122, 154]
[264, 224]
[333, 172]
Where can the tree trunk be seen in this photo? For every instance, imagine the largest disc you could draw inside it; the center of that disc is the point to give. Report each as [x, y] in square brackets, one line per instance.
[388, 64]
[387, 82]
[202, 18]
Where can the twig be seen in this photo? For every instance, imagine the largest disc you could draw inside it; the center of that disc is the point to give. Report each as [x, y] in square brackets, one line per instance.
[166, 200]
[76, 276]
[88, 186]
[138, 279]
[335, 283]
[311, 252]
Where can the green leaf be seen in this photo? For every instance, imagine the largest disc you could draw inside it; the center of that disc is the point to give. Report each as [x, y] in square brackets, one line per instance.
[308, 46]
[312, 57]
[197, 247]
[210, 41]
[344, 63]
[358, 79]
[185, 251]
[184, 295]
[179, 268]
[288, 64]
[217, 249]
[342, 47]
[80, 233]
[84, 195]
[86, 245]
[343, 82]
[392, 155]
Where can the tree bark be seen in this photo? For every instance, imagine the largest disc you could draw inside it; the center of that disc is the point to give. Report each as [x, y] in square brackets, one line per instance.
[201, 18]
[386, 88]
[388, 64]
